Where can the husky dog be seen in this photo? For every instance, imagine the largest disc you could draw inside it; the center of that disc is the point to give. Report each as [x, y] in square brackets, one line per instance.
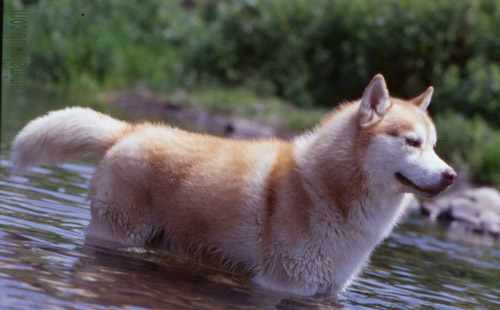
[300, 217]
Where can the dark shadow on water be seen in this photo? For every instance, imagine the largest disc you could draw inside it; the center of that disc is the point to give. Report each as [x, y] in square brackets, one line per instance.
[158, 278]
[100, 275]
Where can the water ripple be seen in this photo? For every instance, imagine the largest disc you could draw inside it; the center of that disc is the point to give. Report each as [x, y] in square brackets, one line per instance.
[46, 262]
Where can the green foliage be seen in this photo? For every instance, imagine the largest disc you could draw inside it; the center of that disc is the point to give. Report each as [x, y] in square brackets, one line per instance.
[91, 44]
[471, 144]
[307, 53]
[321, 52]
[471, 90]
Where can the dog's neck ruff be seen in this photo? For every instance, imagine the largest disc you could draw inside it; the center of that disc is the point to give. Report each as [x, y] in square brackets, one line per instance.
[349, 194]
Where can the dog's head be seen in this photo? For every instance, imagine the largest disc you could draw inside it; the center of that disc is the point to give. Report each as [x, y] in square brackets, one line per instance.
[400, 138]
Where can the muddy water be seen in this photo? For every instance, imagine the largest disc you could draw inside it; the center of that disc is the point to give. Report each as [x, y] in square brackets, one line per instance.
[45, 261]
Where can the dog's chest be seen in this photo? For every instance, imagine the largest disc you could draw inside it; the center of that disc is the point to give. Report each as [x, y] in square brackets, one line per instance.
[346, 244]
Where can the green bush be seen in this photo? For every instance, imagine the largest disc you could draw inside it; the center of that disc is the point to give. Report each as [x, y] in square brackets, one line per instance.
[471, 144]
[95, 44]
[471, 90]
[324, 51]
[309, 52]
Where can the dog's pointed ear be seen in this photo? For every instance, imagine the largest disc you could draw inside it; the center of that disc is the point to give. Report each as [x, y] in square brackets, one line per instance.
[424, 99]
[375, 102]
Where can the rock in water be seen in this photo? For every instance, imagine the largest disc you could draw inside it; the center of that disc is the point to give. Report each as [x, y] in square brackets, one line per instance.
[477, 209]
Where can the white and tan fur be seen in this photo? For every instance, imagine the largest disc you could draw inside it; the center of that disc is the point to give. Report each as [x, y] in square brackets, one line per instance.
[300, 217]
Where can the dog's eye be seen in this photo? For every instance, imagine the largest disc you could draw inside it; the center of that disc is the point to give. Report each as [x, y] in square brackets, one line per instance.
[413, 142]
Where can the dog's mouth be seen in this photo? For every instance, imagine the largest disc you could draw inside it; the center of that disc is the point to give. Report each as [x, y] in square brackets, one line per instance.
[427, 192]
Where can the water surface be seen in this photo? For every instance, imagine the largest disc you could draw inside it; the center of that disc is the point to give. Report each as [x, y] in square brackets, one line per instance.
[45, 261]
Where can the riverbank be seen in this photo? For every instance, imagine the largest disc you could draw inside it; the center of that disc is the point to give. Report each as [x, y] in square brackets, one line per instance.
[197, 118]
[236, 112]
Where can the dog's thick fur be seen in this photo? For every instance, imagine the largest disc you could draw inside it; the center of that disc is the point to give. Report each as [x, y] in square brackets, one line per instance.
[300, 217]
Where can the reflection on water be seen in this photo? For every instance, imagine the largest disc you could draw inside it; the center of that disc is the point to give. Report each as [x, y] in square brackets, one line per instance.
[45, 261]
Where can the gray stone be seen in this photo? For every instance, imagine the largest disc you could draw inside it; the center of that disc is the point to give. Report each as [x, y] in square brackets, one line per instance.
[476, 209]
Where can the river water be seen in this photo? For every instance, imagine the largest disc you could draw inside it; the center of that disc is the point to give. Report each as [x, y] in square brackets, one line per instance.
[46, 263]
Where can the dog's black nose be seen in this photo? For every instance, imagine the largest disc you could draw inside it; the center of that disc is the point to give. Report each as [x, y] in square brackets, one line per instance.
[449, 176]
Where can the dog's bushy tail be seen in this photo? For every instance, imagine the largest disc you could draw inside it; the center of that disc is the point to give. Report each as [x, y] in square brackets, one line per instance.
[64, 134]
